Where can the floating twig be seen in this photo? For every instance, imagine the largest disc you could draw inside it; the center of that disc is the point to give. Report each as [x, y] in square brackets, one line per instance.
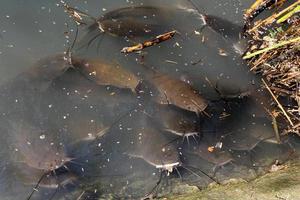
[146, 44]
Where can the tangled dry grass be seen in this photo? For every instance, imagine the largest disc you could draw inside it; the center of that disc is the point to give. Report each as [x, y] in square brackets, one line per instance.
[274, 51]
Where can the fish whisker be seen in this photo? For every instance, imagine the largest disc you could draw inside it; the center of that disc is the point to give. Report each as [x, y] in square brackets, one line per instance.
[155, 188]
[178, 173]
[36, 186]
[207, 175]
[93, 39]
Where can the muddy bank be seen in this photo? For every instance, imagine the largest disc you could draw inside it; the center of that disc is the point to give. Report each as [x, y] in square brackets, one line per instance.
[282, 184]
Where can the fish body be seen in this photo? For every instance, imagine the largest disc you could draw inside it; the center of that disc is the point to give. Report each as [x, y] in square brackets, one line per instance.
[168, 90]
[103, 73]
[216, 157]
[30, 176]
[133, 21]
[231, 32]
[176, 121]
[46, 70]
[153, 147]
[37, 148]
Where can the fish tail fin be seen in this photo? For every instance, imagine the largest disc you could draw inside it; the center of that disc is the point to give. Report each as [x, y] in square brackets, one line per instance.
[79, 17]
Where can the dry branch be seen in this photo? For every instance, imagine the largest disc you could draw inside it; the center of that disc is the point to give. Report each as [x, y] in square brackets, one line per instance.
[158, 39]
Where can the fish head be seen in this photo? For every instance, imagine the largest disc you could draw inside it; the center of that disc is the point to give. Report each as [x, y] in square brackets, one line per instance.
[169, 159]
[183, 128]
[195, 103]
[53, 159]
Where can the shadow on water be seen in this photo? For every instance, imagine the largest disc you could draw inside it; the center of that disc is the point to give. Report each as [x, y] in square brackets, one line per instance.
[113, 125]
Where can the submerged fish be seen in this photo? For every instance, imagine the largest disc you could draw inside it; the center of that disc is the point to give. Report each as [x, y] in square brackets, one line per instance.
[240, 141]
[169, 90]
[216, 157]
[36, 148]
[103, 73]
[46, 70]
[133, 21]
[143, 20]
[51, 180]
[153, 146]
[252, 133]
[176, 121]
[230, 32]
[137, 22]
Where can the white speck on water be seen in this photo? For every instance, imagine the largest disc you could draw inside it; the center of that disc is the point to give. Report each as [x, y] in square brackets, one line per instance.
[16, 100]
[99, 145]
[50, 105]
[104, 9]
[42, 137]
[40, 31]
[197, 32]
[7, 16]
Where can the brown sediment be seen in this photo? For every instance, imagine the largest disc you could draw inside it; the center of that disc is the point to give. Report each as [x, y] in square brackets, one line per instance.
[274, 52]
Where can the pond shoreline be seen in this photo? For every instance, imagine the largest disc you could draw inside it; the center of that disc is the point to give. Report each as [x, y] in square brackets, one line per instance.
[281, 184]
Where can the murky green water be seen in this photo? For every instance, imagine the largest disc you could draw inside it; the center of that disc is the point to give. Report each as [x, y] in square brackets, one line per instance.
[124, 126]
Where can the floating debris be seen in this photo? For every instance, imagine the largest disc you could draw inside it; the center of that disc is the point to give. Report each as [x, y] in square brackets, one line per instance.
[157, 40]
[273, 52]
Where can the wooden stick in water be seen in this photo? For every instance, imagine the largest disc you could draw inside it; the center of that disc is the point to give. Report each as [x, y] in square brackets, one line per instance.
[158, 39]
[278, 103]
